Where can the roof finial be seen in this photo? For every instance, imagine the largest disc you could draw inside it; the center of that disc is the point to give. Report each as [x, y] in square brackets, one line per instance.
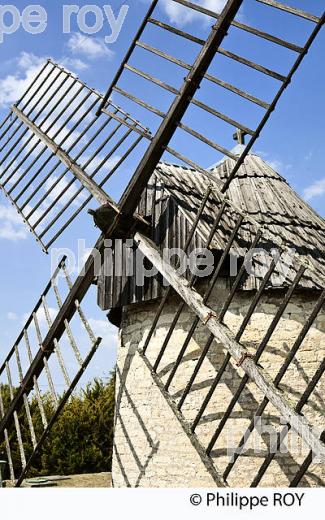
[239, 136]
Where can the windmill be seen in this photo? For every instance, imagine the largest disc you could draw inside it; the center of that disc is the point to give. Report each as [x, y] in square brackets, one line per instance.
[62, 139]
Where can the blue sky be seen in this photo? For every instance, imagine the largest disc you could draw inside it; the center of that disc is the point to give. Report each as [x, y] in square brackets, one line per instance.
[292, 142]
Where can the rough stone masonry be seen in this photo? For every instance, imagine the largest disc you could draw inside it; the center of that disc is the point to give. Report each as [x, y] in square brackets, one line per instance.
[152, 449]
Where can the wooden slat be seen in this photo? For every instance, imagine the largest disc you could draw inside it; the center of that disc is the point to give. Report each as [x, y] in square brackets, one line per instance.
[138, 101]
[16, 420]
[6, 437]
[57, 349]
[46, 364]
[207, 141]
[38, 394]
[244, 61]
[291, 10]
[26, 403]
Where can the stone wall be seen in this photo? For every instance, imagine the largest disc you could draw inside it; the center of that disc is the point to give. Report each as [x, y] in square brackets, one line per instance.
[152, 447]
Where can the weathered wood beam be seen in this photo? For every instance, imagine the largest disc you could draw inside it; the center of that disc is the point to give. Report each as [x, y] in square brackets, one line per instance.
[97, 192]
[223, 335]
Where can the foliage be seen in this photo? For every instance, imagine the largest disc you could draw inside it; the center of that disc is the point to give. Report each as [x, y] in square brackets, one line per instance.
[81, 439]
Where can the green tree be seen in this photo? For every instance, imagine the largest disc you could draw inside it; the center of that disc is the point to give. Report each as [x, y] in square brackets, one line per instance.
[81, 440]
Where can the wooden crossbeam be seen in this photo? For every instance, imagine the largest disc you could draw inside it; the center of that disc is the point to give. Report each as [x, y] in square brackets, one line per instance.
[223, 335]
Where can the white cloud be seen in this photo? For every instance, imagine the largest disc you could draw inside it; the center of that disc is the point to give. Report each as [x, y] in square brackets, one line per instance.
[279, 166]
[110, 163]
[42, 317]
[104, 330]
[276, 164]
[182, 15]
[11, 226]
[12, 316]
[27, 66]
[101, 327]
[90, 47]
[42, 321]
[74, 64]
[62, 187]
[13, 86]
[316, 189]
[9, 232]
[28, 60]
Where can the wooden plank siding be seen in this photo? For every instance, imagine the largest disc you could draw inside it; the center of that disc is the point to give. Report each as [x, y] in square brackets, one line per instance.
[170, 229]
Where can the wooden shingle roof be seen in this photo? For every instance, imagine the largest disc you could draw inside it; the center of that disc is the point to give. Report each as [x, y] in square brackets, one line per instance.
[265, 196]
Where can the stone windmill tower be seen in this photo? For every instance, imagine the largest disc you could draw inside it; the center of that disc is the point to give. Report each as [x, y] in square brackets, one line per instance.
[217, 370]
[183, 361]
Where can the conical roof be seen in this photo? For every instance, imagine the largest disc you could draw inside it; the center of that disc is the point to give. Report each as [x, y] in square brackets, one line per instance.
[263, 194]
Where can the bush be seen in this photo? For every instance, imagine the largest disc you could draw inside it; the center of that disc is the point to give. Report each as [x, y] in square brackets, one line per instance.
[81, 440]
